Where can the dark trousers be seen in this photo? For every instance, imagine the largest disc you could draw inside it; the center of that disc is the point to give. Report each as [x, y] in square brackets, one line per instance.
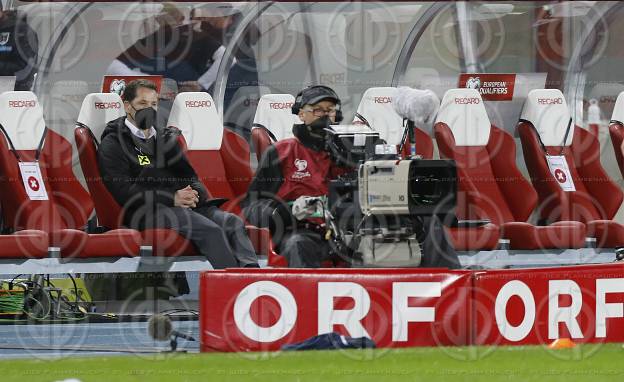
[304, 249]
[218, 235]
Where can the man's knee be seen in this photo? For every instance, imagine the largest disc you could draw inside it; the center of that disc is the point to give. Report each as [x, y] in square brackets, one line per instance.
[223, 218]
[176, 218]
[234, 220]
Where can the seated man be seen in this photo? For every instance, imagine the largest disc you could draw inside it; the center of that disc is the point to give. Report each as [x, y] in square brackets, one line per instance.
[145, 170]
[301, 167]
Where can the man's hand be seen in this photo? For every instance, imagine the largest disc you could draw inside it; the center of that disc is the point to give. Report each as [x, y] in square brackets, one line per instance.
[186, 198]
[306, 207]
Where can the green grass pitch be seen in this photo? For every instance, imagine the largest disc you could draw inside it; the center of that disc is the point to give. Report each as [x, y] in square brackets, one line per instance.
[602, 362]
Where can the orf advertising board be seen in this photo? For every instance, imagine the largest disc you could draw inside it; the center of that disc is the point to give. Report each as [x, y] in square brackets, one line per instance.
[265, 309]
[537, 306]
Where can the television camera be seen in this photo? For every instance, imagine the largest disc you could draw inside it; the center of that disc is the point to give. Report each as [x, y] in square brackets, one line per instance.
[379, 203]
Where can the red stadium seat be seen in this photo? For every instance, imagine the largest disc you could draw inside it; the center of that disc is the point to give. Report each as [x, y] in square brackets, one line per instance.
[474, 238]
[376, 107]
[97, 109]
[26, 244]
[616, 129]
[22, 118]
[220, 157]
[273, 121]
[261, 140]
[545, 125]
[490, 185]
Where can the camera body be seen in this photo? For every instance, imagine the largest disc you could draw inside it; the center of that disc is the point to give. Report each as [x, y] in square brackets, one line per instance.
[407, 187]
[377, 206]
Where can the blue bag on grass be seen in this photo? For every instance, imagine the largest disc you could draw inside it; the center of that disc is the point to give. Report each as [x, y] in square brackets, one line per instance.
[331, 341]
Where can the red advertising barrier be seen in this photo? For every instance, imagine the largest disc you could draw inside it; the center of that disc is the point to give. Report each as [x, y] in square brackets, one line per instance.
[537, 306]
[253, 310]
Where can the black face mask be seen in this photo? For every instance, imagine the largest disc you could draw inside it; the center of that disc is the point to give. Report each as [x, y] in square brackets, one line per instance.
[145, 118]
[318, 126]
[313, 135]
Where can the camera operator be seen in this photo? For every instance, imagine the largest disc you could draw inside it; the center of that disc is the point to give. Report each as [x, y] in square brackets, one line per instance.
[297, 168]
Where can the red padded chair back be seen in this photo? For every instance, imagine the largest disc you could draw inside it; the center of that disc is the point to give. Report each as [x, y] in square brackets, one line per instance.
[545, 119]
[220, 157]
[424, 145]
[235, 154]
[490, 184]
[273, 121]
[376, 107]
[21, 117]
[97, 109]
[616, 130]
[261, 140]
[72, 199]
[106, 208]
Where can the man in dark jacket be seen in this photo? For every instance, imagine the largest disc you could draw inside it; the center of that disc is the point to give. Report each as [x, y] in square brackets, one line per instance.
[18, 49]
[146, 171]
[301, 167]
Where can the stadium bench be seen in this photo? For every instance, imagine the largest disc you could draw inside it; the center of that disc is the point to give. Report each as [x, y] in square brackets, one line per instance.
[490, 184]
[60, 214]
[544, 121]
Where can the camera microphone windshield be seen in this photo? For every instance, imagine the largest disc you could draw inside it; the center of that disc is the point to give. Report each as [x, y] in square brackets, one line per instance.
[418, 106]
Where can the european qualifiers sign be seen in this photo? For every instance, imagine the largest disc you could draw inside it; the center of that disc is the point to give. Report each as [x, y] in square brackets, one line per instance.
[492, 87]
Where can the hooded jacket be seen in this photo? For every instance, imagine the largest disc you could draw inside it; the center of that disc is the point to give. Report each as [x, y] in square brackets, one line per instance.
[144, 175]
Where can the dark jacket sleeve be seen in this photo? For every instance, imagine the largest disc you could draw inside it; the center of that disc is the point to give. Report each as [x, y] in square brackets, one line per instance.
[260, 204]
[198, 186]
[116, 175]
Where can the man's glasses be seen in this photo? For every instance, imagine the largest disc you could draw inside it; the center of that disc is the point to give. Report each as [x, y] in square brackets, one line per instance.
[319, 112]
